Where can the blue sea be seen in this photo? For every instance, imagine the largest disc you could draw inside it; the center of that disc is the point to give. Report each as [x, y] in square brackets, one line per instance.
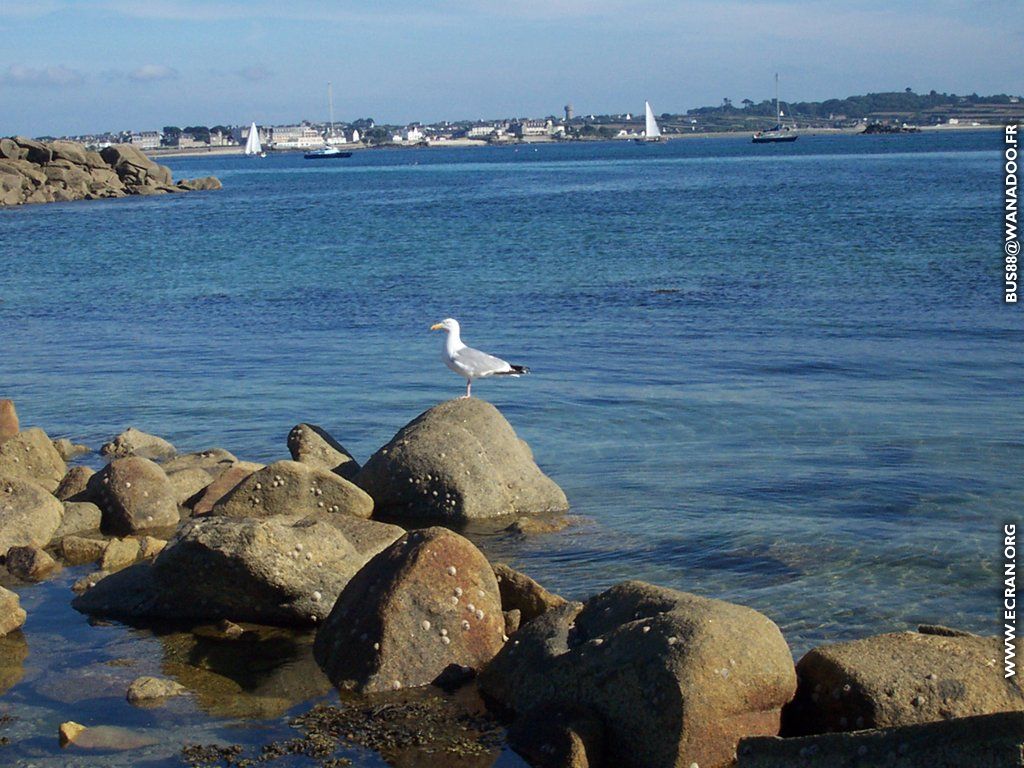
[776, 375]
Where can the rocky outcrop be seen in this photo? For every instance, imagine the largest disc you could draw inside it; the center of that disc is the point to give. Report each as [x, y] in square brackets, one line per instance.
[8, 420]
[30, 454]
[676, 678]
[983, 741]
[79, 517]
[29, 515]
[135, 442]
[521, 593]
[310, 444]
[899, 679]
[425, 605]
[12, 615]
[61, 171]
[79, 550]
[291, 488]
[459, 461]
[134, 495]
[274, 571]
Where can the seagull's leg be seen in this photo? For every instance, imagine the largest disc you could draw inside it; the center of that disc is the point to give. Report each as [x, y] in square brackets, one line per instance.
[469, 384]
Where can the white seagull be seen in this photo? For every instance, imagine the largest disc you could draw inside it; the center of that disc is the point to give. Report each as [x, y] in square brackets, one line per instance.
[472, 363]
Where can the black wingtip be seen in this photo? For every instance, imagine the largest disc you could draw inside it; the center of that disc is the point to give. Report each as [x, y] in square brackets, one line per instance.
[520, 369]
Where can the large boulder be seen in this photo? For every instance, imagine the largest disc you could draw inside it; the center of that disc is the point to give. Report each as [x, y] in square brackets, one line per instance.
[427, 603]
[134, 495]
[135, 442]
[70, 151]
[8, 420]
[291, 488]
[188, 483]
[30, 454]
[676, 678]
[202, 183]
[79, 517]
[29, 514]
[521, 593]
[69, 450]
[12, 615]
[900, 679]
[459, 461]
[983, 741]
[30, 563]
[310, 444]
[35, 151]
[214, 461]
[274, 571]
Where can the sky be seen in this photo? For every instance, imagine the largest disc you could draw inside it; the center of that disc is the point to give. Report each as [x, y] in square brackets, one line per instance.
[82, 66]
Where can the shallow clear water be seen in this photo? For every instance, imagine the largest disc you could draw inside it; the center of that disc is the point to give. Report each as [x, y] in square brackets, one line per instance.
[776, 375]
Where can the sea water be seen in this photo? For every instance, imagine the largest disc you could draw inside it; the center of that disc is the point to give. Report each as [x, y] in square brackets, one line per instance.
[776, 375]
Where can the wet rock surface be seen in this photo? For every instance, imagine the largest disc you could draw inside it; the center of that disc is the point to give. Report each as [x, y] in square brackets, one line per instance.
[459, 461]
[521, 593]
[428, 602]
[12, 615]
[73, 486]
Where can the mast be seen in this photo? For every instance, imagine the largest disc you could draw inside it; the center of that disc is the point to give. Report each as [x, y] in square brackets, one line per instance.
[778, 113]
[330, 106]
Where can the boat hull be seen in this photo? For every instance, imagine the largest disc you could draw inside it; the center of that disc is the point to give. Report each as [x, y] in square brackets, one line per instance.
[331, 156]
[774, 139]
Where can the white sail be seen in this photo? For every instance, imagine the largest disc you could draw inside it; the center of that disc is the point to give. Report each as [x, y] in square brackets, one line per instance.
[252, 144]
[651, 129]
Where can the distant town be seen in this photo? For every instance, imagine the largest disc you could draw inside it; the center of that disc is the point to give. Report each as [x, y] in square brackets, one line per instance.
[892, 110]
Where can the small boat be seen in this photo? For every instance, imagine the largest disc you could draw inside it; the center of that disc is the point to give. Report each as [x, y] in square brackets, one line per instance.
[327, 152]
[780, 134]
[253, 148]
[652, 133]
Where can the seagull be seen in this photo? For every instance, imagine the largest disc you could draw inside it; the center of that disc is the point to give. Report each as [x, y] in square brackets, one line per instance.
[469, 362]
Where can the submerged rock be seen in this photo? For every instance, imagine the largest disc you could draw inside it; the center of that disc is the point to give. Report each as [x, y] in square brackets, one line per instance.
[428, 602]
[459, 461]
[152, 691]
[30, 455]
[29, 515]
[291, 488]
[899, 679]
[12, 616]
[675, 678]
[275, 571]
[310, 444]
[13, 647]
[135, 442]
[78, 550]
[134, 495]
[983, 741]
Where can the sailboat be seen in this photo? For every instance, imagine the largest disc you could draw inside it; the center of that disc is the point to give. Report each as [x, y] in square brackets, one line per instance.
[327, 152]
[652, 132]
[779, 133]
[253, 148]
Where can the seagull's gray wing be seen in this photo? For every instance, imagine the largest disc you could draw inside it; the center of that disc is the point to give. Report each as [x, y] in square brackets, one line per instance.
[479, 363]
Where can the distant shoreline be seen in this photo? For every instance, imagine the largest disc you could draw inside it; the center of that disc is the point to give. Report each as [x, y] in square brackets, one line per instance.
[238, 150]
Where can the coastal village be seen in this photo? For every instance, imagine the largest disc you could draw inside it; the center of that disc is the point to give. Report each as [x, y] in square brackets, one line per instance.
[874, 113]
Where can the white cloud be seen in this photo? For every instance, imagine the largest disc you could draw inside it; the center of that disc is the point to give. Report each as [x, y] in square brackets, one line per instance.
[45, 77]
[149, 72]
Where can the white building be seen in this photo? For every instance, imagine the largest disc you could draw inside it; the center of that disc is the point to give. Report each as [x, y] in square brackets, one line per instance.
[296, 137]
[146, 140]
[412, 135]
[355, 135]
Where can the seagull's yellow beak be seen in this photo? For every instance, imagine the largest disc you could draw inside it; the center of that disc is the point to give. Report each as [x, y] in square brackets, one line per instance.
[437, 327]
